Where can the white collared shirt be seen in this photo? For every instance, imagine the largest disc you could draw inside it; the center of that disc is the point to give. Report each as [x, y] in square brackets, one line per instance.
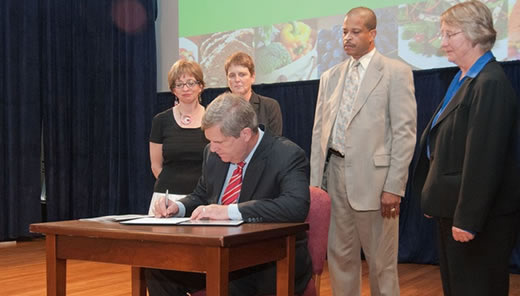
[364, 61]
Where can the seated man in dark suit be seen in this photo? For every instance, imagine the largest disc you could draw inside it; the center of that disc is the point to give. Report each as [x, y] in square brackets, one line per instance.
[268, 180]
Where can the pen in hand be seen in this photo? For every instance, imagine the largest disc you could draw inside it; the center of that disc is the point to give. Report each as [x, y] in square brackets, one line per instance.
[166, 197]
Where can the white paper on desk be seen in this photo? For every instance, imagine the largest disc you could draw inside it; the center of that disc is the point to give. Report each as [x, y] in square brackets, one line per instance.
[157, 195]
[156, 221]
[115, 218]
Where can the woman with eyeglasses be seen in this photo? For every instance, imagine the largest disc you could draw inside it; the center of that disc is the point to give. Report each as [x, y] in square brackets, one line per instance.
[467, 173]
[176, 139]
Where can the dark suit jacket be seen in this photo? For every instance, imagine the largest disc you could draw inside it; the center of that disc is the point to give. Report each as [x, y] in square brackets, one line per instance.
[275, 188]
[268, 112]
[472, 173]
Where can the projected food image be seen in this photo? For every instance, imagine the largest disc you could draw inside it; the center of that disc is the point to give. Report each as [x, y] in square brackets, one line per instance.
[296, 37]
[272, 57]
[419, 30]
[514, 33]
[304, 48]
[330, 41]
[387, 31]
[330, 48]
[285, 52]
[188, 50]
[216, 48]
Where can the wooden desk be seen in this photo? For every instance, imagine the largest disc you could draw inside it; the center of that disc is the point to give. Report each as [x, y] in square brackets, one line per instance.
[213, 250]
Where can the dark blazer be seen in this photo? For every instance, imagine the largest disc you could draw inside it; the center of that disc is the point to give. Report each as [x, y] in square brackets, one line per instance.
[275, 188]
[268, 112]
[472, 173]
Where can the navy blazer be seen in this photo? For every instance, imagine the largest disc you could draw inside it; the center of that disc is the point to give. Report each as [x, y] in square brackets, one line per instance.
[472, 173]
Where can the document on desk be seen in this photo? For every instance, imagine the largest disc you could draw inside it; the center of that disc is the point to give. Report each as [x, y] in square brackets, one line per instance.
[155, 221]
[182, 221]
[115, 218]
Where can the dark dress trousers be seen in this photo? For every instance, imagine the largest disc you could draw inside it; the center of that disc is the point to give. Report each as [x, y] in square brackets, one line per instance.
[471, 181]
[275, 188]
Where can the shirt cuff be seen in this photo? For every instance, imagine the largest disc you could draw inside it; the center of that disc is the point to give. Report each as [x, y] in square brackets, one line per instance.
[233, 212]
[182, 209]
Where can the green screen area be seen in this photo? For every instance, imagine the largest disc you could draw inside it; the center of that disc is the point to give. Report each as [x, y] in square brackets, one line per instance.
[199, 17]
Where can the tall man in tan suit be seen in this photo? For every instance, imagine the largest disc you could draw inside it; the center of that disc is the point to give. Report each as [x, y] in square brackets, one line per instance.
[365, 125]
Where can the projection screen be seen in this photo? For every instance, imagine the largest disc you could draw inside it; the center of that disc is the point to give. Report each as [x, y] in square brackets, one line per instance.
[293, 40]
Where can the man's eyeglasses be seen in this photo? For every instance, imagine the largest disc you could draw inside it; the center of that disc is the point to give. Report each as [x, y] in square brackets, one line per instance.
[189, 83]
[448, 35]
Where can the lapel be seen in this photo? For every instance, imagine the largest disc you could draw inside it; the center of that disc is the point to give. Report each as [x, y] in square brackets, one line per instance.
[337, 81]
[255, 102]
[427, 129]
[255, 168]
[373, 75]
[218, 177]
[454, 103]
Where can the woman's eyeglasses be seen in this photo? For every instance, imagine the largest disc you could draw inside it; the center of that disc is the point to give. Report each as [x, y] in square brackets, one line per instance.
[189, 84]
[448, 35]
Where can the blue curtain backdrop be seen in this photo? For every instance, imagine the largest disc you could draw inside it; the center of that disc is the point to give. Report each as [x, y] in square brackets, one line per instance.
[83, 72]
[19, 117]
[98, 91]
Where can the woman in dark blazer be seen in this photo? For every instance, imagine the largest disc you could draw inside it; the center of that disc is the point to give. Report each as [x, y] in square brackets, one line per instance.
[467, 174]
[240, 73]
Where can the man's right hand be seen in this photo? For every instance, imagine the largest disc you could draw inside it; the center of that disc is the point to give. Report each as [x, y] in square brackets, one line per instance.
[161, 211]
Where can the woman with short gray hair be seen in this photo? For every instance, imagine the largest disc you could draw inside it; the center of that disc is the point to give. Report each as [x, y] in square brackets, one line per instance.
[466, 174]
[474, 21]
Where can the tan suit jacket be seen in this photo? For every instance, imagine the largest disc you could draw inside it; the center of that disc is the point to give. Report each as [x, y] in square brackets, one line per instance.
[380, 136]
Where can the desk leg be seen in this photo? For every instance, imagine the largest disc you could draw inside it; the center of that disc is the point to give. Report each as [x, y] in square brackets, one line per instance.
[138, 282]
[285, 269]
[56, 268]
[217, 275]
